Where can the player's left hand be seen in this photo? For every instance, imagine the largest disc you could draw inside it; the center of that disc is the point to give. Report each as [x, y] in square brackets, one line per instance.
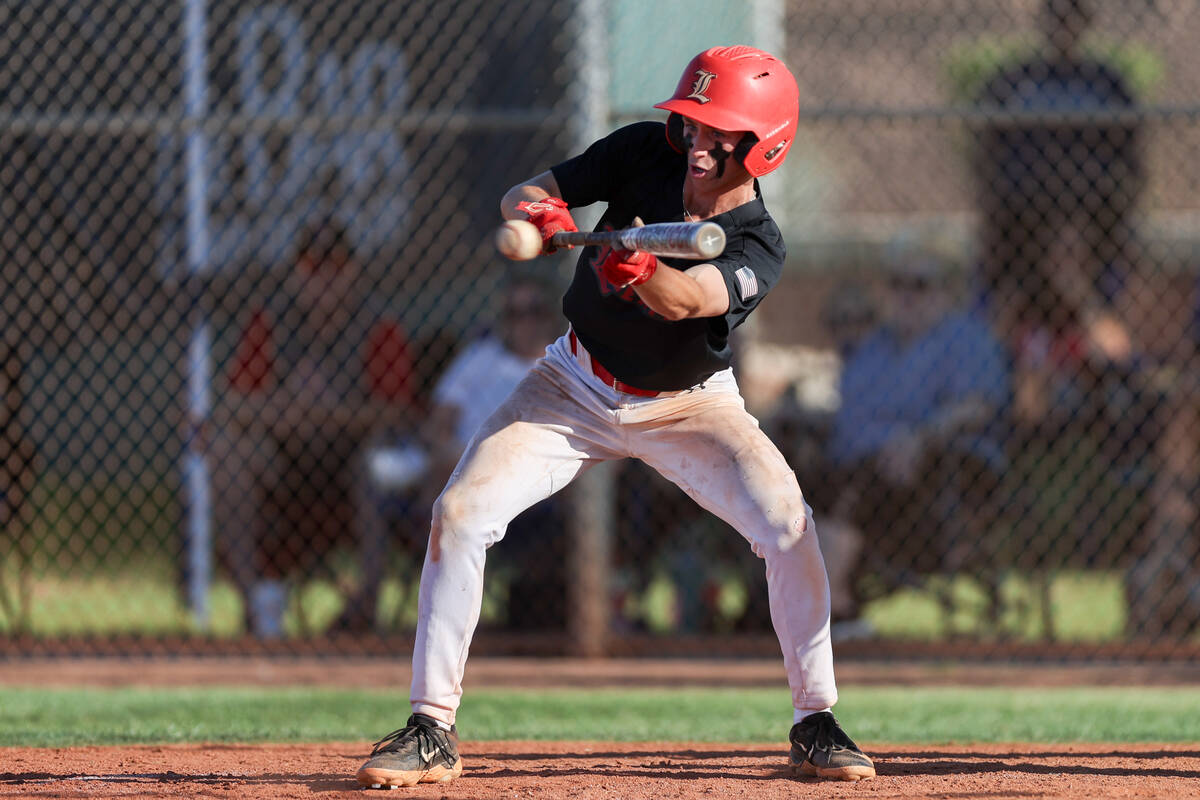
[551, 216]
[624, 268]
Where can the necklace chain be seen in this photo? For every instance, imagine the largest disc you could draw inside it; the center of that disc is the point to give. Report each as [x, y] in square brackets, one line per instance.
[688, 216]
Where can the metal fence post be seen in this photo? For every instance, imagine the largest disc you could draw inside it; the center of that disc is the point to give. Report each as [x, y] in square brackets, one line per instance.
[593, 499]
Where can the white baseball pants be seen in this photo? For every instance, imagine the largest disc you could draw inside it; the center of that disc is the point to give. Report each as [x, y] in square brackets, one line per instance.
[561, 420]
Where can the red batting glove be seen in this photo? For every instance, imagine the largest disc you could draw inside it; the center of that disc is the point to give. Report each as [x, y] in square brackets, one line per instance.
[551, 216]
[628, 267]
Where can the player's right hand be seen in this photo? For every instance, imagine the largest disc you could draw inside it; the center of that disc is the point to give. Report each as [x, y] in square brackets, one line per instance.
[624, 268]
[551, 216]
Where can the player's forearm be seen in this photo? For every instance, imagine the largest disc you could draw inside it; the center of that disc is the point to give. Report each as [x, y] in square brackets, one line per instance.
[518, 194]
[698, 292]
[672, 294]
[536, 188]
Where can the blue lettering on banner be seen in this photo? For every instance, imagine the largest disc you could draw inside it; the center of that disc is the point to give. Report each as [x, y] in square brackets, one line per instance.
[304, 145]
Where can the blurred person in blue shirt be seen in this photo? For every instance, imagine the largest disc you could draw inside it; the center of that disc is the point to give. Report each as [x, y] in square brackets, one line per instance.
[914, 449]
[1060, 170]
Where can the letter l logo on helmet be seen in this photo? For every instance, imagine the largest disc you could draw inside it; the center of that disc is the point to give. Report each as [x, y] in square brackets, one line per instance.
[700, 85]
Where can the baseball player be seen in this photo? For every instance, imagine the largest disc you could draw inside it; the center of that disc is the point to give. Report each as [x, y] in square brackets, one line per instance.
[642, 371]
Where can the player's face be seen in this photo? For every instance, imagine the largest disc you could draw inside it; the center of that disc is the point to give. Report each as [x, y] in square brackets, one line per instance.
[711, 163]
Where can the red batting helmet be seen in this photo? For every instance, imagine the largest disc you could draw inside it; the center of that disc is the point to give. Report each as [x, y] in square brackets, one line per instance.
[739, 88]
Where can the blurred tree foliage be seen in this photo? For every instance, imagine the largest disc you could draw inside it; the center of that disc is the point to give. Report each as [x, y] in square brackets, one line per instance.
[969, 65]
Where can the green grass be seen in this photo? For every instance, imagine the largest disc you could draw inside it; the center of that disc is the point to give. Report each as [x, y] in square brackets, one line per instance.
[1085, 607]
[67, 717]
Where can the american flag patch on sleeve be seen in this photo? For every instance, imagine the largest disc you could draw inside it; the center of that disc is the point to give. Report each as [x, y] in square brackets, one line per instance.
[747, 282]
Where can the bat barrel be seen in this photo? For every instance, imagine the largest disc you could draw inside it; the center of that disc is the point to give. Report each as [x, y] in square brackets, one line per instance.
[695, 240]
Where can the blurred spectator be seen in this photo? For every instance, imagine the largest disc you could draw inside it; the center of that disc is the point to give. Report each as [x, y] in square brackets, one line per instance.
[474, 385]
[318, 375]
[912, 459]
[1060, 172]
[486, 371]
[1058, 182]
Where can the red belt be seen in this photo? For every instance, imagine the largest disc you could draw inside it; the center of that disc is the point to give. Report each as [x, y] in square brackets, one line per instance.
[605, 376]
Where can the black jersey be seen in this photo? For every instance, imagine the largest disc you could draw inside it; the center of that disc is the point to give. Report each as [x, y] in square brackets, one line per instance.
[639, 174]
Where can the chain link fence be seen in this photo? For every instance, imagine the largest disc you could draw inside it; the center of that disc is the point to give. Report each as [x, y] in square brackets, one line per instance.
[251, 314]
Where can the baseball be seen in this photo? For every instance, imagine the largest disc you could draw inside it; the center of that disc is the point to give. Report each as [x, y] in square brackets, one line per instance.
[519, 240]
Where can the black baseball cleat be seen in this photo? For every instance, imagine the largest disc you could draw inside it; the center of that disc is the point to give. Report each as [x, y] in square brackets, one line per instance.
[420, 752]
[820, 748]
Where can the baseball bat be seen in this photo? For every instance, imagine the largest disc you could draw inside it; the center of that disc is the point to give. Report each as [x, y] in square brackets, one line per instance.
[679, 239]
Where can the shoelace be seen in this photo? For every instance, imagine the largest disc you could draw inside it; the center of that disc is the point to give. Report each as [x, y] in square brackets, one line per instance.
[828, 735]
[426, 737]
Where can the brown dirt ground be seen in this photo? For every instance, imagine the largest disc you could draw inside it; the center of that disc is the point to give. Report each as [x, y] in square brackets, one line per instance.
[585, 770]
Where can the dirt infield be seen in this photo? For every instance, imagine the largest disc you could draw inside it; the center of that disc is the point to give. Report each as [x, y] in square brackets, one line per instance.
[581, 771]
[628, 771]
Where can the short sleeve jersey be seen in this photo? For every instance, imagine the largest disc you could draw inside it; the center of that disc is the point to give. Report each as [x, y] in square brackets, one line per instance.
[639, 174]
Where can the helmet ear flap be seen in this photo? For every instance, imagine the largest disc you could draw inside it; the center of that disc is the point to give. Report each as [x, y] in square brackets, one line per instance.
[675, 132]
[744, 146]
